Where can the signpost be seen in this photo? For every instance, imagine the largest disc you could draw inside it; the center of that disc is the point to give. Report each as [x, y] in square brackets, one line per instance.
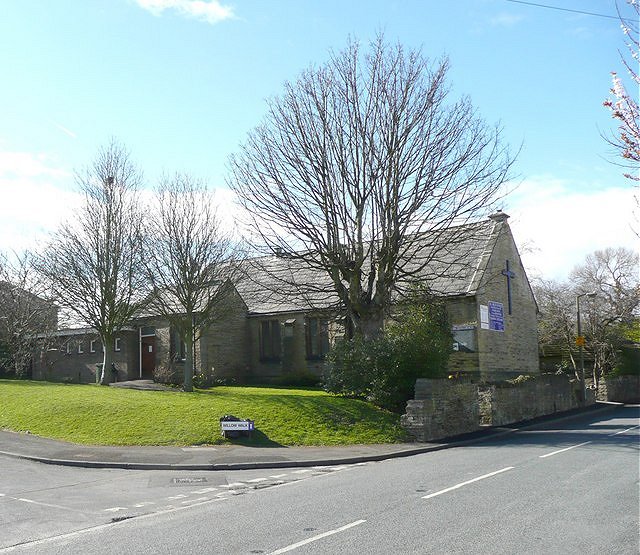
[232, 426]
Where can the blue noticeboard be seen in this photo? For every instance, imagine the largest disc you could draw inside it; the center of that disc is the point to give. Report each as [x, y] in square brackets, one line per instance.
[496, 316]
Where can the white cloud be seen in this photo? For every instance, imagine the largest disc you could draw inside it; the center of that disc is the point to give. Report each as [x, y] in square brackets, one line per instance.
[505, 20]
[211, 11]
[557, 224]
[34, 199]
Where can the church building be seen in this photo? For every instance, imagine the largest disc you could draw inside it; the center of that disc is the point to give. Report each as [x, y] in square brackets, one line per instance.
[269, 331]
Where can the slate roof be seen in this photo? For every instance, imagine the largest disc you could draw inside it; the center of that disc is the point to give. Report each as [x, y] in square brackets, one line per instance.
[455, 262]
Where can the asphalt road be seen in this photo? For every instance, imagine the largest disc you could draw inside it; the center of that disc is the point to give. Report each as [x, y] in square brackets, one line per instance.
[571, 487]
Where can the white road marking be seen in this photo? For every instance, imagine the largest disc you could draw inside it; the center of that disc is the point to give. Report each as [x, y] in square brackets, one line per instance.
[204, 490]
[232, 485]
[316, 538]
[91, 529]
[303, 471]
[43, 504]
[115, 509]
[624, 431]
[467, 482]
[278, 476]
[181, 496]
[255, 480]
[563, 450]
[200, 499]
[144, 504]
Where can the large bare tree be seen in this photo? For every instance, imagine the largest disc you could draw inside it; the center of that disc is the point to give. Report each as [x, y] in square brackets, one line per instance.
[93, 261]
[355, 161]
[27, 317]
[614, 275]
[190, 261]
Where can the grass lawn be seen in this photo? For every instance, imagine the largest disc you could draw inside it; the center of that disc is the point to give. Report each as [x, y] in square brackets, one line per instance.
[98, 415]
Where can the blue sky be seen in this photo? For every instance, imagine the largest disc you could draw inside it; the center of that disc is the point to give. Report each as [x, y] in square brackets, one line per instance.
[180, 83]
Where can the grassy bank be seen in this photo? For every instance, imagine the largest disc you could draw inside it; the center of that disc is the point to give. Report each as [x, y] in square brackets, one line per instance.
[97, 415]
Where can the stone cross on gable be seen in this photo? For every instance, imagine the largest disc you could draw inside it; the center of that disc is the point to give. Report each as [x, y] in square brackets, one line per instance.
[509, 275]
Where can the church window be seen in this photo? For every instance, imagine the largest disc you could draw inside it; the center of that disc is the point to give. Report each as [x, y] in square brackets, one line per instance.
[464, 339]
[270, 340]
[317, 337]
[178, 347]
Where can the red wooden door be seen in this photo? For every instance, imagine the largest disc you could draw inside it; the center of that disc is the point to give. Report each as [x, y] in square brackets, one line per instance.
[148, 347]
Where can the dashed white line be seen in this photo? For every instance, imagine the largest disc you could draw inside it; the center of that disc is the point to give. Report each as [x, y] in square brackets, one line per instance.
[232, 485]
[303, 471]
[256, 480]
[563, 450]
[204, 490]
[467, 482]
[316, 538]
[181, 496]
[115, 509]
[144, 504]
[624, 431]
[278, 476]
[24, 500]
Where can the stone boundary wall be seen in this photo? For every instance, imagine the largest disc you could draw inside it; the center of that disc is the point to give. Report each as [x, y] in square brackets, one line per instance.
[506, 403]
[443, 408]
[620, 389]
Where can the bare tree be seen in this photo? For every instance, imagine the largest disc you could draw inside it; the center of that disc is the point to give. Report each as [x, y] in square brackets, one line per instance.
[613, 275]
[557, 321]
[93, 262]
[27, 317]
[190, 262]
[355, 161]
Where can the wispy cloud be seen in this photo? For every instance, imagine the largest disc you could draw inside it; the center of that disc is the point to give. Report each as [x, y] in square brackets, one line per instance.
[211, 11]
[64, 129]
[505, 20]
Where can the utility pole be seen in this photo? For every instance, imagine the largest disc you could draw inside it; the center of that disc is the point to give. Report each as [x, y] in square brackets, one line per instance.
[580, 341]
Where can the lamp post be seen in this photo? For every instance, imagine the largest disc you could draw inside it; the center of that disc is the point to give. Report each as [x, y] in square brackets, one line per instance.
[580, 342]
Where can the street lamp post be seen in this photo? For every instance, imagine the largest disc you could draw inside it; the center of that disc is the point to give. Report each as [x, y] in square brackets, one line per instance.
[580, 342]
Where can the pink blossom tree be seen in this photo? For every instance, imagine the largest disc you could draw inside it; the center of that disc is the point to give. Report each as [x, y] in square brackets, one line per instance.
[624, 107]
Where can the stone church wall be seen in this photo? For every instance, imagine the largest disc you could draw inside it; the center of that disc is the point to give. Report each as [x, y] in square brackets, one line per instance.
[506, 402]
[515, 350]
[444, 408]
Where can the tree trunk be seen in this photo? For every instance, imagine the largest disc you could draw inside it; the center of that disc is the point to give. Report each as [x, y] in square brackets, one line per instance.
[106, 375]
[188, 363]
[369, 324]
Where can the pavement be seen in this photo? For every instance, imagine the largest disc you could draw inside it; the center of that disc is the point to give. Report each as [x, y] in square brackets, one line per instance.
[242, 457]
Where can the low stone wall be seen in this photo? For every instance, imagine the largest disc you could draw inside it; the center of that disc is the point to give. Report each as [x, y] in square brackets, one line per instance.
[507, 402]
[441, 409]
[621, 389]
